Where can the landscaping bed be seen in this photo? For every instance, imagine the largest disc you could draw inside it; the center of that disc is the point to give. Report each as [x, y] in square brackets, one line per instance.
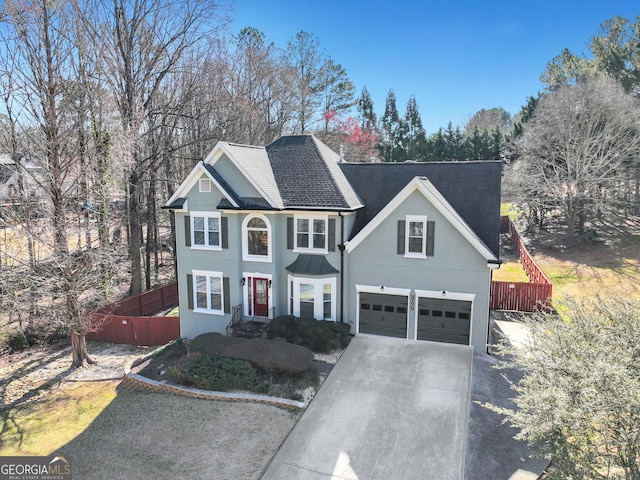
[279, 366]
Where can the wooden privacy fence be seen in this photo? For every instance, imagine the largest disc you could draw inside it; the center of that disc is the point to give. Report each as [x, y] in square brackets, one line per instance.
[531, 296]
[130, 321]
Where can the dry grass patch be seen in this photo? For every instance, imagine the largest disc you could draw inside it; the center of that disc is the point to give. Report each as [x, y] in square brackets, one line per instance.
[144, 435]
[607, 268]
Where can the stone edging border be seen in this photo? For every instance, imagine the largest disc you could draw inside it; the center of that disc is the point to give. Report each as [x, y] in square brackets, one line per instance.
[138, 381]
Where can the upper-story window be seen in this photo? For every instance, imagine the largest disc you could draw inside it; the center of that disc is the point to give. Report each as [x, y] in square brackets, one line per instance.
[416, 236]
[205, 230]
[256, 245]
[311, 233]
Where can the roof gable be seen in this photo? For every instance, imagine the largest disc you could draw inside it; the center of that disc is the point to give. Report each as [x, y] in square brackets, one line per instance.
[470, 189]
[195, 174]
[431, 193]
[253, 164]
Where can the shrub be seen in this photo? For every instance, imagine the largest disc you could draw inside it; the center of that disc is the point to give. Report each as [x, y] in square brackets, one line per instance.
[317, 335]
[221, 374]
[290, 386]
[262, 353]
[285, 327]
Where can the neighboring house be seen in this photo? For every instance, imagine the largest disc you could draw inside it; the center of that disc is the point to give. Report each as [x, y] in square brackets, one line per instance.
[12, 181]
[404, 250]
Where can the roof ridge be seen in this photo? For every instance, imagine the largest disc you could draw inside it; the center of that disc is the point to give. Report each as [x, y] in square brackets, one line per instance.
[245, 145]
[314, 141]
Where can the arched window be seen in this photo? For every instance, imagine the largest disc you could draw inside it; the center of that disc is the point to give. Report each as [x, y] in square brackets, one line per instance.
[257, 233]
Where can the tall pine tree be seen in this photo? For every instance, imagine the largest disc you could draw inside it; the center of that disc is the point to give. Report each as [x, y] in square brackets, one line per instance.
[415, 134]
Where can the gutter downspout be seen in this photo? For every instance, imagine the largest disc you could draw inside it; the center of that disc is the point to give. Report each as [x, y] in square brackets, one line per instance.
[493, 265]
[341, 248]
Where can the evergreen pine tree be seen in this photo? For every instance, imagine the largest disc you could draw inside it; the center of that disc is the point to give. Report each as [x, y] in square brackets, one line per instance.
[415, 134]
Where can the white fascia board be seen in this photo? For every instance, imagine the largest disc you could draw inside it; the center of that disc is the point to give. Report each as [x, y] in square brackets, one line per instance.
[445, 209]
[215, 155]
[186, 184]
[190, 182]
[446, 295]
[383, 289]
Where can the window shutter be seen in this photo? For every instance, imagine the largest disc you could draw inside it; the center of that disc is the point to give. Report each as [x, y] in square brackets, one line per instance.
[189, 291]
[224, 227]
[289, 233]
[400, 237]
[431, 227]
[187, 230]
[332, 235]
[227, 297]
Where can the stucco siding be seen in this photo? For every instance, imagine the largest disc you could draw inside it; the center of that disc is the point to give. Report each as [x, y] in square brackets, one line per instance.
[456, 266]
[230, 262]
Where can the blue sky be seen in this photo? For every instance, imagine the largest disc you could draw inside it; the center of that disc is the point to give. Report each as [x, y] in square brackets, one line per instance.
[456, 57]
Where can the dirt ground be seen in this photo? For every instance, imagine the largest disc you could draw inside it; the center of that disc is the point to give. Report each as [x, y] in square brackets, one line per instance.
[26, 376]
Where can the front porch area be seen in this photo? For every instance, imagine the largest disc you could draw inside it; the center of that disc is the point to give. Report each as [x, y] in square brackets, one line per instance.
[252, 326]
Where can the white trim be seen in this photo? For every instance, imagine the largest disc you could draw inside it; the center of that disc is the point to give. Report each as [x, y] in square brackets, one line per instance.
[408, 219]
[443, 295]
[311, 218]
[426, 188]
[190, 182]
[204, 185]
[318, 290]
[248, 277]
[245, 244]
[208, 275]
[206, 216]
[381, 289]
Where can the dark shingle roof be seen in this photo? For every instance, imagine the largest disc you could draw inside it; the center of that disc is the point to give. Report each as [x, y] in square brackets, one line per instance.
[307, 264]
[244, 203]
[302, 176]
[222, 182]
[177, 204]
[471, 188]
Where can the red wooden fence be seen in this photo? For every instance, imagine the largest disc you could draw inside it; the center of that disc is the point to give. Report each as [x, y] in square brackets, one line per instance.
[531, 296]
[130, 321]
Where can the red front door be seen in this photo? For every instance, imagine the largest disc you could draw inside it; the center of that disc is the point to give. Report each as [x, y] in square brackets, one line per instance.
[261, 297]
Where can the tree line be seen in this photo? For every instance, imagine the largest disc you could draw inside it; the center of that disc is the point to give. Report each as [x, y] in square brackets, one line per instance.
[575, 151]
[400, 138]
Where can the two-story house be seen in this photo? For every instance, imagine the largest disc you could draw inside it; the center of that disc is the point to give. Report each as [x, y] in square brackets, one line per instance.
[404, 250]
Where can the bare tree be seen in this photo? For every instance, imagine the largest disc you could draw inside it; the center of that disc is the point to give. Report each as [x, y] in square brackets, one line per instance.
[145, 41]
[581, 141]
[43, 54]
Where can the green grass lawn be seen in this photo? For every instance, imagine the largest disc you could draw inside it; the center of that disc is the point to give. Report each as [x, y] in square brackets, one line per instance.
[510, 271]
[44, 426]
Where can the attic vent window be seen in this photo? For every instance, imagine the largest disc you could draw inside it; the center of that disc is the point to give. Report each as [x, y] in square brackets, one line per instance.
[205, 185]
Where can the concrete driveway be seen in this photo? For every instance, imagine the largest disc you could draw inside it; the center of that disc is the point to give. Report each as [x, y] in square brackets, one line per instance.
[390, 409]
